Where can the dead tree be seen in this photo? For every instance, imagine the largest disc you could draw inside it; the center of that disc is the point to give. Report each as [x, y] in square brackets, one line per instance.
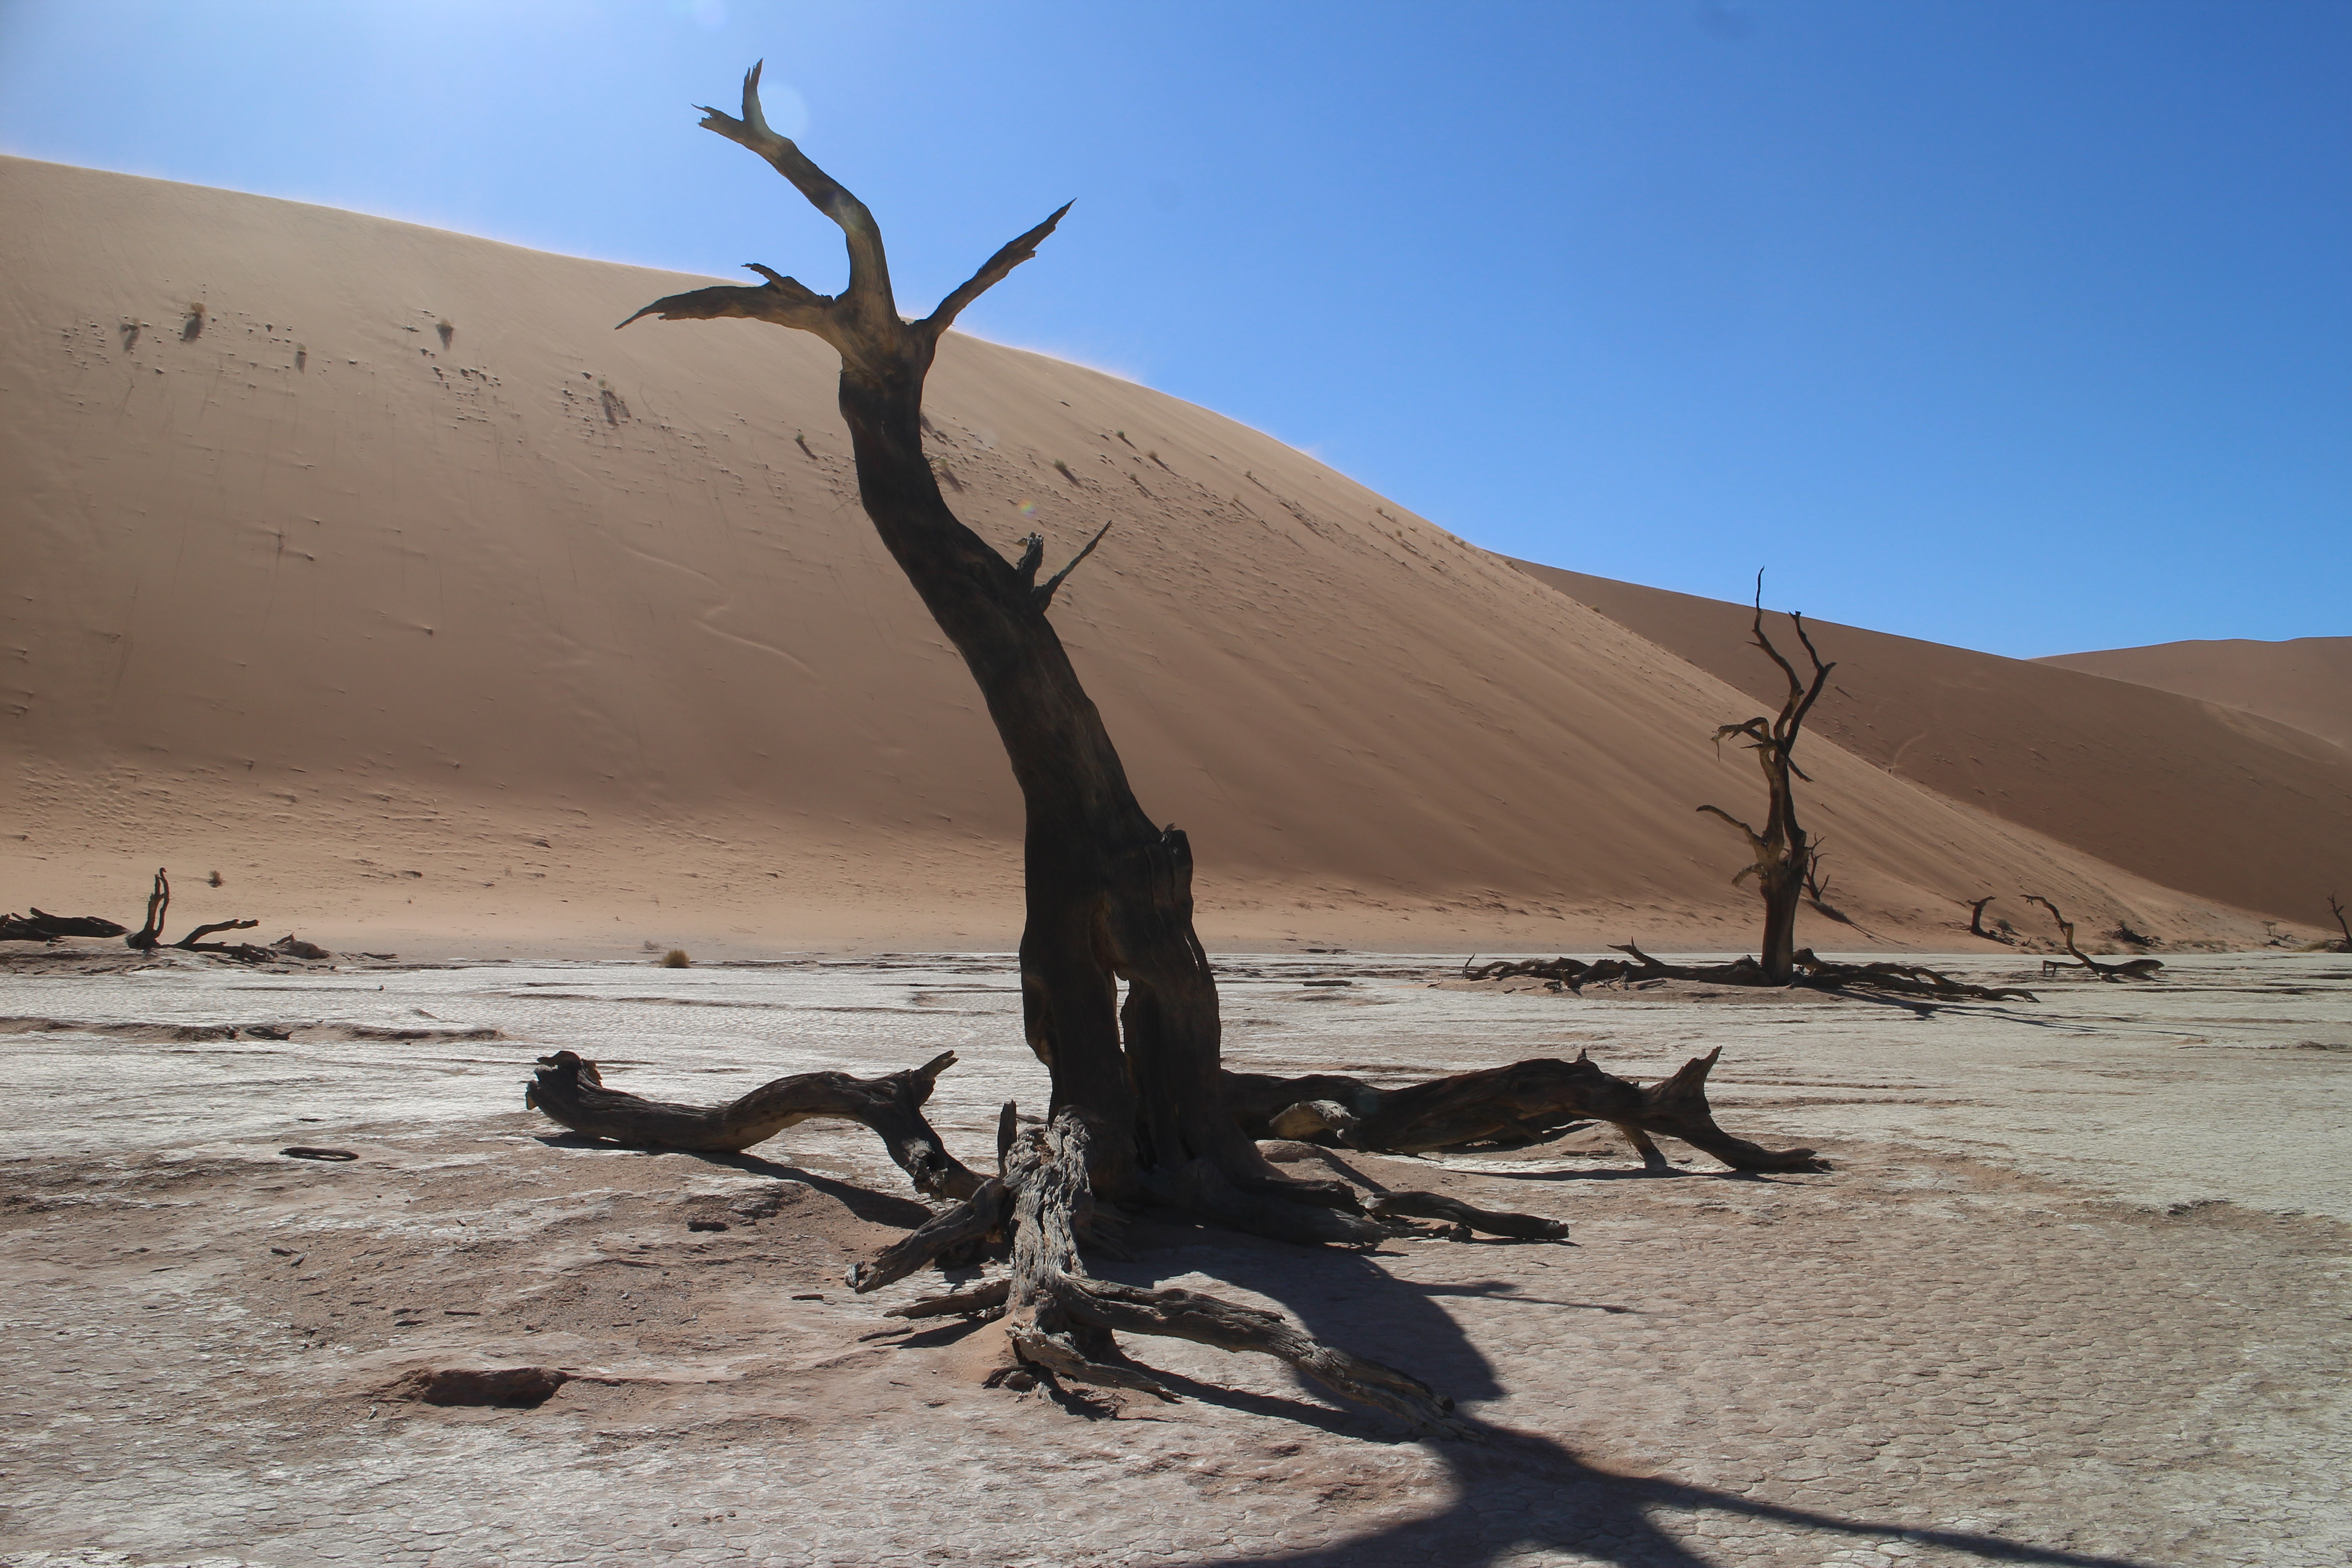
[2137, 969]
[1975, 922]
[2334, 908]
[1139, 1108]
[1783, 856]
[150, 936]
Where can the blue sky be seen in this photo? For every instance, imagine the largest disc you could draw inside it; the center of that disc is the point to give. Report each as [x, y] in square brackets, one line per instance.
[2024, 327]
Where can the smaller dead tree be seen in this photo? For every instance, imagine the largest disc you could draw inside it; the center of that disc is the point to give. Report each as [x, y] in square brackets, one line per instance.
[149, 937]
[2334, 908]
[1783, 856]
[1975, 922]
[2137, 969]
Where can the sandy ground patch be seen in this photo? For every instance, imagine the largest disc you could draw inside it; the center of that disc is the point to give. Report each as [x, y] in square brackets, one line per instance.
[2076, 1292]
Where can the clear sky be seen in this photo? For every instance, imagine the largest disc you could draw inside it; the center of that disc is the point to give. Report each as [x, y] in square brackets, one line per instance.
[2026, 327]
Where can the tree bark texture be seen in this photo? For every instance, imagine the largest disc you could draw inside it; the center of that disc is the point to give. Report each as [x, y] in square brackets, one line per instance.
[1109, 896]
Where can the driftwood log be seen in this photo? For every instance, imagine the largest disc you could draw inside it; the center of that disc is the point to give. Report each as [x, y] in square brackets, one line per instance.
[2135, 969]
[570, 1091]
[1808, 972]
[41, 926]
[1525, 1102]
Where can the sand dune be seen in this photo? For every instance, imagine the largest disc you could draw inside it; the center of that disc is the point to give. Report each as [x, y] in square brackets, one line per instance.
[367, 565]
[2305, 682]
[2179, 791]
[2197, 796]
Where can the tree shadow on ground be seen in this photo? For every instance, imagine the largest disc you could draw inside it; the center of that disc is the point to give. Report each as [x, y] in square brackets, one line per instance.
[1514, 1491]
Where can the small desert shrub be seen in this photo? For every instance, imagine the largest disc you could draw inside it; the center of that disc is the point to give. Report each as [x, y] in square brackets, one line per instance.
[676, 959]
[1065, 469]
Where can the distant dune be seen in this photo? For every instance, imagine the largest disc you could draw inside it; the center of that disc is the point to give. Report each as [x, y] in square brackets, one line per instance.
[367, 565]
[2204, 798]
[2305, 682]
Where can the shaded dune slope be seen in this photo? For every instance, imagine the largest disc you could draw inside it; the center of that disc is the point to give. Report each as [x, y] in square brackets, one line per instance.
[398, 586]
[2305, 682]
[2207, 798]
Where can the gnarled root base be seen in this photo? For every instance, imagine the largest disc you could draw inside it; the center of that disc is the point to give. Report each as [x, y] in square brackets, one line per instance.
[1060, 1323]
[1525, 1102]
[570, 1091]
[1812, 974]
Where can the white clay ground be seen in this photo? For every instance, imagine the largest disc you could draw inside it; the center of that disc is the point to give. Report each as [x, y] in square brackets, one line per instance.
[2075, 1293]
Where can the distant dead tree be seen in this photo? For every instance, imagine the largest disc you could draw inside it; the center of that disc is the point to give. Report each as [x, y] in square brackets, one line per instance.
[1783, 856]
[1142, 1109]
[150, 936]
[2334, 908]
[1975, 922]
[2137, 969]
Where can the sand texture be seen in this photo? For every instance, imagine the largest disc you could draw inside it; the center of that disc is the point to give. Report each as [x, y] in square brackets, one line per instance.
[2222, 799]
[2305, 681]
[366, 565]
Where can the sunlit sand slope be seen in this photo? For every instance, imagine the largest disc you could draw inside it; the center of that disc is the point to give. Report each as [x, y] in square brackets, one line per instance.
[2196, 794]
[2305, 682]
[367, 565]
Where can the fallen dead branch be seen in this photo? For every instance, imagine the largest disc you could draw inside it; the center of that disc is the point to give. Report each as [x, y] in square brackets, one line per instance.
[41, 926]
[1525, 1102]
[569, 1089]
[1809, 972]
[2137, 969]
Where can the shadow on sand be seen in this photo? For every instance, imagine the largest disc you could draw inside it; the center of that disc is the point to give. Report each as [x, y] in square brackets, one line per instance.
[1514, 1492]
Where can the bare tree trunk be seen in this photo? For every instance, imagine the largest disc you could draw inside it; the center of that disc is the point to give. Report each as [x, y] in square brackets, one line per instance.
[1783, 856]
[1109, 891]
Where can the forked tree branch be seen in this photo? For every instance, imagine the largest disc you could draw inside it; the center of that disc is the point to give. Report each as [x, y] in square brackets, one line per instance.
[864, 318]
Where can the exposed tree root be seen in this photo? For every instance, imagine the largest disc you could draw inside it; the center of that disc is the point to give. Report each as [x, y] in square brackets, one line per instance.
[571, 1090]
[1811, 973]
[1060, 1323]
[1524, 1102]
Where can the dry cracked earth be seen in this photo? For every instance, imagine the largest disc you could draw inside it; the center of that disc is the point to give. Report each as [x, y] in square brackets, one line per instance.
[2074, 1292]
